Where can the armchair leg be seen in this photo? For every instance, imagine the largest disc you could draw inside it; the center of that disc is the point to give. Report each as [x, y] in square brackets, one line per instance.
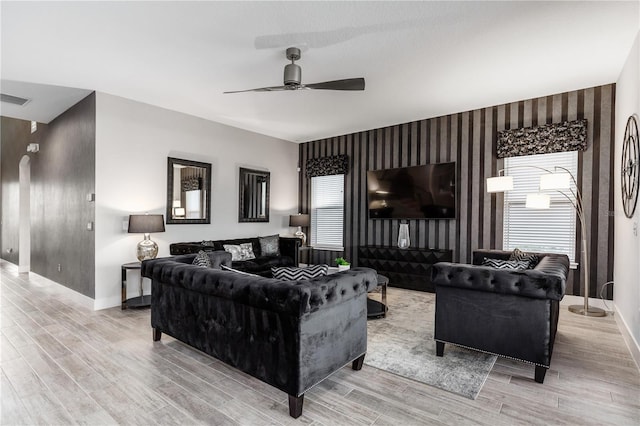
[540, 372]
[295, 405]
[439, 348]
[157, 334]
[357, 363]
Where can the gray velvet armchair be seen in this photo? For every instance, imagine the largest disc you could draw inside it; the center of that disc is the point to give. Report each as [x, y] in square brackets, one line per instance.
[511, 313]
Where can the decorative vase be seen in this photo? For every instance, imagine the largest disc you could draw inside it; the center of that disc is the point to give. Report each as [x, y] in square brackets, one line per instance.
[343, 267]
[403, 236]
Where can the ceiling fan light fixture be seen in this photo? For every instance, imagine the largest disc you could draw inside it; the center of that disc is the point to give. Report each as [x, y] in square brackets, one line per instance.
[292, 74]
[293, 79]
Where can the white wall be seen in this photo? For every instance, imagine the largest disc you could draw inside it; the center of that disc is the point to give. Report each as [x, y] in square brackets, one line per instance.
[133, 141]
[626, 291]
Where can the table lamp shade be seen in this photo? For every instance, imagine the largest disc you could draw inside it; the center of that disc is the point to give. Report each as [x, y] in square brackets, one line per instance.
[146, 223]
[299, 220]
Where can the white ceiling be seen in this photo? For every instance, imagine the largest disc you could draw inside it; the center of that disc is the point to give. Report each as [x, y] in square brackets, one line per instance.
[419, 59]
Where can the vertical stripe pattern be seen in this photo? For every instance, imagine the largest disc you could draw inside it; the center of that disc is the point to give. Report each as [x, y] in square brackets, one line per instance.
[470, 139]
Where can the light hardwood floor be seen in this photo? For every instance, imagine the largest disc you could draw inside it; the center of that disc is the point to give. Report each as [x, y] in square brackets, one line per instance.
[64, 364]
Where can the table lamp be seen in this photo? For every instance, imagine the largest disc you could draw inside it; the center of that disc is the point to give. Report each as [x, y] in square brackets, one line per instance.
[299, 220]
[146, 224]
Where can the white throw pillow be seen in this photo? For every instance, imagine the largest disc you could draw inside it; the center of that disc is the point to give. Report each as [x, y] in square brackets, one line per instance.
[243, 251]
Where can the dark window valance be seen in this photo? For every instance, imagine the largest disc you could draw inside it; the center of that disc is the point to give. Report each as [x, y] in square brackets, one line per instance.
[545, 139]
[191, 184]
[326, 166]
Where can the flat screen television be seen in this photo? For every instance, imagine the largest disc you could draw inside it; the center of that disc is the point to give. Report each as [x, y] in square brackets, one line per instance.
[417, 192]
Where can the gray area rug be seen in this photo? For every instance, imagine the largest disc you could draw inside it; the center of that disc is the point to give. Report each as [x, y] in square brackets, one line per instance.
[402, 343]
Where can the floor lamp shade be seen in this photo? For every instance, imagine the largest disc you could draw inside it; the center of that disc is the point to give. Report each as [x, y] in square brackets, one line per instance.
[538, 201]
[500, 184]
[556, 181]
[146, 224]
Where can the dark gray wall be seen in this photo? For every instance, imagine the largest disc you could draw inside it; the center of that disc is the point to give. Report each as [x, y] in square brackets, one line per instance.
[62, 174]
[469, 139]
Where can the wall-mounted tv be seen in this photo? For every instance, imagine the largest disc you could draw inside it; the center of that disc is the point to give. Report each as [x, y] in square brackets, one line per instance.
[417, 192]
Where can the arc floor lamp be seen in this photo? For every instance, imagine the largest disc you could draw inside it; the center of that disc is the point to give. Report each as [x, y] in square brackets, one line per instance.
[558, 180]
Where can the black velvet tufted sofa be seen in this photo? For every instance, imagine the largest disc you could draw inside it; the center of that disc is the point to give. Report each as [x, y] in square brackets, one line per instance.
[511, 313]
[289, 334]
[261, 265]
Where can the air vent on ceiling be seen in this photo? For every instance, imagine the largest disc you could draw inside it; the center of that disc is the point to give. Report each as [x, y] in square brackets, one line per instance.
[10, 99]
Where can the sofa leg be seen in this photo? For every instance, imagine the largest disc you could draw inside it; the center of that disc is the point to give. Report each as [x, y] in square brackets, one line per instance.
[157, 334]
[295, 405]
[357, 363]
[540, 372]
[439, 348]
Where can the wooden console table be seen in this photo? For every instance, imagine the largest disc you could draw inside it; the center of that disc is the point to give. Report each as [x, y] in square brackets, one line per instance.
[407, 268]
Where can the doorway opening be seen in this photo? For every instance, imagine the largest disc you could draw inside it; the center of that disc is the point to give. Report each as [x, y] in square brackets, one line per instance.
[24, 215]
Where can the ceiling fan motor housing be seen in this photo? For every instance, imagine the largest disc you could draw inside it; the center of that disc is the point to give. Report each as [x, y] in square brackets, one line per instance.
[292, 75]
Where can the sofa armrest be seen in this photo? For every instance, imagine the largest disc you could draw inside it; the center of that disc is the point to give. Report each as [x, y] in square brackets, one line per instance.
[289, 247]
[329, 290]
[531, 283]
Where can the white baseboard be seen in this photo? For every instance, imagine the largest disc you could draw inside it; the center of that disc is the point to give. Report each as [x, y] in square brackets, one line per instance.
[107, 302]
[628, 337]
[74, 296]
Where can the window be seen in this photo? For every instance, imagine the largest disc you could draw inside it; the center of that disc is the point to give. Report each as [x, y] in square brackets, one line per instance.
[327, 212]
[550, 230]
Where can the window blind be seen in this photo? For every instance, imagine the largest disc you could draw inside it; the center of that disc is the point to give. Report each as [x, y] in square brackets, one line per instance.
[550, 230]
[327, 212]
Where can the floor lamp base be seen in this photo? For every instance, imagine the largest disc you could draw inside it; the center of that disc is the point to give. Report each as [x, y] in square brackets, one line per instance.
[589, 312]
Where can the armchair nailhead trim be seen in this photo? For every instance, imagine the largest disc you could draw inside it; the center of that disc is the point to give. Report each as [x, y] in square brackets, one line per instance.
[492, 353]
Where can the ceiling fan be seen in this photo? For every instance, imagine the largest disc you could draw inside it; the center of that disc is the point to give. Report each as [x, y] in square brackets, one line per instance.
[293, 77]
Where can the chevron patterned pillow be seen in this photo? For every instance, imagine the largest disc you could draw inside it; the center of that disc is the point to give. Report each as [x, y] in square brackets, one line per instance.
[291, 273]
[506, 264]
[520, 255]
[202, 259]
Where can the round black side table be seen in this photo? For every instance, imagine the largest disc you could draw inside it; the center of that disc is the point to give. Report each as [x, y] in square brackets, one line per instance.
[377, 309]
[141, 301]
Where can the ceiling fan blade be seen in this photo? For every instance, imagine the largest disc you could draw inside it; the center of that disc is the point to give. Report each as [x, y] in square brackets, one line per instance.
[346, 84]
[262, 89]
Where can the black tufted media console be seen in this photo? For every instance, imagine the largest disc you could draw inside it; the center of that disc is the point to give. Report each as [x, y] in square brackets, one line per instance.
[408, 268]
[511, 313]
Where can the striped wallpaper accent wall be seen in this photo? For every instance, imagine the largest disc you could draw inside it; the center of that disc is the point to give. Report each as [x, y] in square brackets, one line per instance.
[470, 139]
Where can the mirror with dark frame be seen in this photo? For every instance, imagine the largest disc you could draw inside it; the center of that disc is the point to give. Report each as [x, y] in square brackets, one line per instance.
[188, 192]
[254, 195]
